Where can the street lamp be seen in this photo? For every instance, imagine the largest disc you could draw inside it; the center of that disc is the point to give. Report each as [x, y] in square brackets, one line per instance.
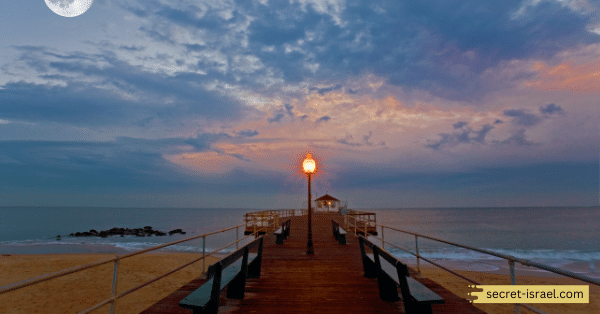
[309, 166]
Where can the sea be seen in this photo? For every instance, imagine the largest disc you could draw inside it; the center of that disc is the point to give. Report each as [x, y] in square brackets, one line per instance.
[563, 237]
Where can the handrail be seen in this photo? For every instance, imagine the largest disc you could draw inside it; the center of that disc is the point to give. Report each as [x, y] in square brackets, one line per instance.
[124, 293]
[117, 258]
[27, 282]
[266, 219]
[356, 217]
[511, 262]
[521, 261]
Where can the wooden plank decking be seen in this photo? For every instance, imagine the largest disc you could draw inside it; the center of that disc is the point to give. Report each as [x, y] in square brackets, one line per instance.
[330, 281]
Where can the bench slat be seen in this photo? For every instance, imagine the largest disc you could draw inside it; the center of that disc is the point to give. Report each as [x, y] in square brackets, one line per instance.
[417, 289]
[422, 293]
[198, 298]
[201, 296]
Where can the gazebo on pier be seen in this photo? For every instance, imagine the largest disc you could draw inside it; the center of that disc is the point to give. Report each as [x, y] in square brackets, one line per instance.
[327, 203]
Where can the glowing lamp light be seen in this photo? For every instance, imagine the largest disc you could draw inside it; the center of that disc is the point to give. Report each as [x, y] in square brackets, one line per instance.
[309, 164]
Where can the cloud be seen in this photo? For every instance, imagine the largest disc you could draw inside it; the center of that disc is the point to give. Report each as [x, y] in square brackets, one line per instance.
[443, 49]
[277, 117]
[577, 72]
[132, 48]
[366, 141]
[323, 119]
[551, 109]
[84, 166]
[325, 90]
[518, 138]
[203, 141]
[432, 46]
[100, 89]
[96, 171]
[460, 124]
[247, 133]
[522, 118]
[491, 184]
[80, 105]
[289, 109]
[463, 136]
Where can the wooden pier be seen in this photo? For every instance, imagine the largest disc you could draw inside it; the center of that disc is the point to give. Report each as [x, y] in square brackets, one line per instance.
[330, 281]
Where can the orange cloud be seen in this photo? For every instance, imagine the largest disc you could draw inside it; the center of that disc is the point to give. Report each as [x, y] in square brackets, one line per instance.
[205, 162]
[567, 76]
[355, 126]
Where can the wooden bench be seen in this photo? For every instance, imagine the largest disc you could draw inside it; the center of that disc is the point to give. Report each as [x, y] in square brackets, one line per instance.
[283, 232]
[391, 274]
[338, 232]
[230, 272]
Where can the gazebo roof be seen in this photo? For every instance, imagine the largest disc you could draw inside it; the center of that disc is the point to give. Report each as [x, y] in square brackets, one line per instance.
[327, 197]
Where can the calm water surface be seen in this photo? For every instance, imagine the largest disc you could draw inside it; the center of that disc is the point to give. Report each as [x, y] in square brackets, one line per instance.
[554, 235]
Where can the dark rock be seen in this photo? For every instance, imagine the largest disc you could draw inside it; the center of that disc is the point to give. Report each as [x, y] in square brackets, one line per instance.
[116, 231]
[176, 231]
[147, 231]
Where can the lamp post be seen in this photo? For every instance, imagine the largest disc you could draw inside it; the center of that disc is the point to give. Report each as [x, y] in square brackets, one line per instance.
[309, 166]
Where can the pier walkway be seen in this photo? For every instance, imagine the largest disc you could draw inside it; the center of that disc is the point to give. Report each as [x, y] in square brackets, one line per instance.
[330, 281]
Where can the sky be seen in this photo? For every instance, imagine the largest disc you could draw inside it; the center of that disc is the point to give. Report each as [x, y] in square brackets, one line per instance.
[214, 103]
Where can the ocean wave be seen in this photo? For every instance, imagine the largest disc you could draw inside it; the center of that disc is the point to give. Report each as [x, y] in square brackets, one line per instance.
[124, 243]
[553, 256]
[550, 257]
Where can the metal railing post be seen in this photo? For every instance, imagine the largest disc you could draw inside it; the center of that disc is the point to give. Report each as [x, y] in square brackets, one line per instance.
[382, 237]
[418, 256]
[203, 275]
[114, 285]
[237, 237]
[513, 279]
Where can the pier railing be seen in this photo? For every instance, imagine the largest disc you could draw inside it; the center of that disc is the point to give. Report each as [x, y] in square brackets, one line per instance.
[360, 222]
[266, 220]
[116, 259]
[511, 260]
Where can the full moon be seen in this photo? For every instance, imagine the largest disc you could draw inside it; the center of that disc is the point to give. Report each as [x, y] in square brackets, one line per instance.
[69, 8]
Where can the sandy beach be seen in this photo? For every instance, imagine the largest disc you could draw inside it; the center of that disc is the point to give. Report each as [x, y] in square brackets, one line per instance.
[460, 288]
[76, 292]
